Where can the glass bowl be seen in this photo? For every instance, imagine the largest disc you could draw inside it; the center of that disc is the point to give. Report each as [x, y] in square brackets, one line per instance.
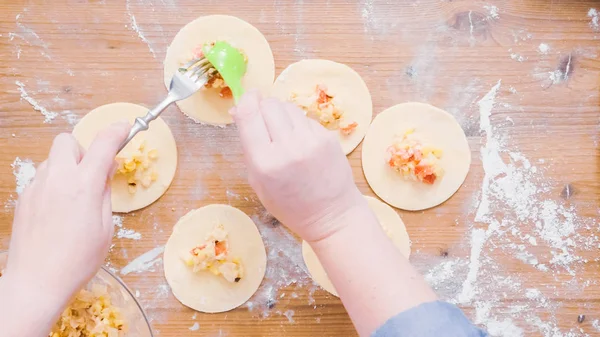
[121, 297]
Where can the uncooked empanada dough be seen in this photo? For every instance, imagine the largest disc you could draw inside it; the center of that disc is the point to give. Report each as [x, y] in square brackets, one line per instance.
[203, 291]
[390, 222]
[206, 106]
[158, 137]
[434, 127]
[349, 90]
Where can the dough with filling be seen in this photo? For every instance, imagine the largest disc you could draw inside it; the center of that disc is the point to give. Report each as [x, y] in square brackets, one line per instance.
[206, 106]
[390, 222]
[202, 290]
[348, 91]
[431, 126]
[157, 139]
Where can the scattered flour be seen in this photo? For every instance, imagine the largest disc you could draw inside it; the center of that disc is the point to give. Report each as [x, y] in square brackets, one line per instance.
[144, 262]
[478, 239]
[556, 76]
[195, 327]
[593, 14]
[285, 266]
[24, 171]
[513, 215]
[492, 12]
[124, 233]
[27, 36]
[48, 115]
[134, 26]
[495, 327]
[543, 48]
[117, 221]
[517, 57]
[290, 315]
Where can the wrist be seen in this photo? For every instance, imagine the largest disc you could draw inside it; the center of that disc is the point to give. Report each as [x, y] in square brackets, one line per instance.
[353, 218]
[24, 298]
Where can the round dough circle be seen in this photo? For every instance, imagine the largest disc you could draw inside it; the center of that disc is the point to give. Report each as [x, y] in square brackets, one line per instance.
[158, 137]
[204, 291]
[341, 81]
[434, 127]
[206, 106]
[392, 225]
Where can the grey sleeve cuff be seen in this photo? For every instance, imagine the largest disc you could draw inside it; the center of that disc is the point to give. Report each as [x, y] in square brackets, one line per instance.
[434, 319]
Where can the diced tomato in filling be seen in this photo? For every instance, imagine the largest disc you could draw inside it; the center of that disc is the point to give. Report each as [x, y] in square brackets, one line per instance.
[198, 52]
[214, 256]
[410, 158]
[346, 130]
[425, 174]
[195, 250]
[226, 92]
[319, 105]
[322, 96]
[220, 248]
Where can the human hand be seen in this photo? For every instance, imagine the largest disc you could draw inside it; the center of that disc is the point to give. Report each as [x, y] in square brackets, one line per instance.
[296, 167]
[63, 226]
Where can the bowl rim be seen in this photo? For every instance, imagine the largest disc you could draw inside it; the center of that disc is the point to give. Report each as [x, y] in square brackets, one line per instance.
[122, 283]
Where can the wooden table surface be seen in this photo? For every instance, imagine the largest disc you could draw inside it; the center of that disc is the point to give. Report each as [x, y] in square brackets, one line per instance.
[72, 56]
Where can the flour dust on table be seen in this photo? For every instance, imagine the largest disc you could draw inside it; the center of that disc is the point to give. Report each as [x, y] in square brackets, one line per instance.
[215, 259]
[146, 166]
[212, 103]
[415, 156]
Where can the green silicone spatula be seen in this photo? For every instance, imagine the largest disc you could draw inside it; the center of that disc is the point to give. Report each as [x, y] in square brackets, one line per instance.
[230, 63]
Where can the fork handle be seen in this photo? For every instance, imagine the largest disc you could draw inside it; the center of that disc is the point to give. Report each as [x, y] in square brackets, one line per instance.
[142, 123]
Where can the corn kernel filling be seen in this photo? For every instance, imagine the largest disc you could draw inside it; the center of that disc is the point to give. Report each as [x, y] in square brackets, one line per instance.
[408, 156]
[91, 313]
[136, 164]
[214, 256]
[320, 106]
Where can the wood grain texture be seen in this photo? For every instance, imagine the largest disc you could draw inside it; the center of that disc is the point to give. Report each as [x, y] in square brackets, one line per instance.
[73, 56]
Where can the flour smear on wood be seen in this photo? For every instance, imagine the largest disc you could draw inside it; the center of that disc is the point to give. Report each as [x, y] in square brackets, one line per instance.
[515, 216]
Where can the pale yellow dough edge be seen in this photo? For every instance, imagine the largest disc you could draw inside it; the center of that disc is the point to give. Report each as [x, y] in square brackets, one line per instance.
[204, 291]
[206, 106]
[436, 128]
[341, 81]
[158, 137]
[388, 219]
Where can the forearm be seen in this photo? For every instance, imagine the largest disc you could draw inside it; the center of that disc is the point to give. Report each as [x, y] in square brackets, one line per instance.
[373, 279]
[27, 312]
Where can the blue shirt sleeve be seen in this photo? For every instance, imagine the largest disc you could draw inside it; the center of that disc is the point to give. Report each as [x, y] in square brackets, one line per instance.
[434, 319]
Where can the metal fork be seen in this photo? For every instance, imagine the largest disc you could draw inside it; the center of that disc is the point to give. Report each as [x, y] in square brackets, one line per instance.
[187, 80]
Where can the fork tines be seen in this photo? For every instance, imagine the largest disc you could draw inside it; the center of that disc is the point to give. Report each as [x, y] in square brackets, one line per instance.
[196, 68]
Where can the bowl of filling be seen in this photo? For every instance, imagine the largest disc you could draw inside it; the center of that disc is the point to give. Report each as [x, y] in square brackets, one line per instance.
[104, 307]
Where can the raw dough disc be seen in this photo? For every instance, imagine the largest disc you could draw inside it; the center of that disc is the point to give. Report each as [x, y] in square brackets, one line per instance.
[206, 106]
[158, 137]
[434, 127]
[341, 81]
[203, 291]
[392, 225]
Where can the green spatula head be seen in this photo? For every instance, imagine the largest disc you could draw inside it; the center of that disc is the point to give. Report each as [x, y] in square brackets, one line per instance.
[230, 63]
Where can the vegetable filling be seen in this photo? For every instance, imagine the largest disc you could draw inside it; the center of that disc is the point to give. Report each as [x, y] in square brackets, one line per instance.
[408, 156]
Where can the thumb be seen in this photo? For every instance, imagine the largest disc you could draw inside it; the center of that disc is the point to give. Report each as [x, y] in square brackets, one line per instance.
[100, 157]
[251, 126]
